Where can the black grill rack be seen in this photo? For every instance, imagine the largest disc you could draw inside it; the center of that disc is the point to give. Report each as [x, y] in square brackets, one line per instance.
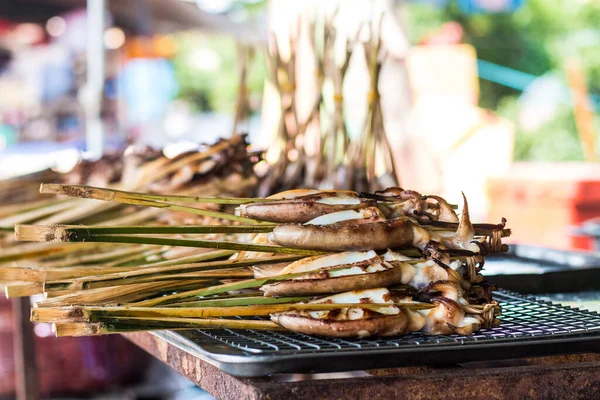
[529, 327]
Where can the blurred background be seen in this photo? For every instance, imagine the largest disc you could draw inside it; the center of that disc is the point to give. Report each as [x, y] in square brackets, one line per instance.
[495, 98]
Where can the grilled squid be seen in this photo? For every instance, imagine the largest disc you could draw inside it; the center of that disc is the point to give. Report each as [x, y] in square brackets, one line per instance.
[423, 274]
[260, 238]
[400, 202]
[355, 322]
[349, 217]
[377, 235]
[304, 207]
[337, 273]
[449, 317]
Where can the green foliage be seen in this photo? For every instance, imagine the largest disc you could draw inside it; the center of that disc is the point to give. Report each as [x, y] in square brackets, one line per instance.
[556, 140]
[212, 89]
[535, 39]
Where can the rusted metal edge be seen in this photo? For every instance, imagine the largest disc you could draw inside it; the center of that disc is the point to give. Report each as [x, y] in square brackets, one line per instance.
[574, 376]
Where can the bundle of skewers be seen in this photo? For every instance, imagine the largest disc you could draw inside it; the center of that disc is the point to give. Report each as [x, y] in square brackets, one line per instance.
[362, 162]
[225, 167]
[331, 263]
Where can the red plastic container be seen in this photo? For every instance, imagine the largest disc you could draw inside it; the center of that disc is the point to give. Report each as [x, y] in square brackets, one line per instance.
[544, 202]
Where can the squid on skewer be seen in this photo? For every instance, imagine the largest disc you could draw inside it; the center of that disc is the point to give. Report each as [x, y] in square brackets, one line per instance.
[299, 206]
[373, 234]
[399, 202]
[335, 273]
[353, 322]
[303, 208]
[449, 316]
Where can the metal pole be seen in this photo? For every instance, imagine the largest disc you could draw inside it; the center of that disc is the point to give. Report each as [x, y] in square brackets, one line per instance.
[94, 89]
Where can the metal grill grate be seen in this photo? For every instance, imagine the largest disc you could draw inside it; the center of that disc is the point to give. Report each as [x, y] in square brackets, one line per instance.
[522, 318]
[528, 328]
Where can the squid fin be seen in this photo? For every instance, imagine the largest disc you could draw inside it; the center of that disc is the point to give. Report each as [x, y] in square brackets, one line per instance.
[465, 232]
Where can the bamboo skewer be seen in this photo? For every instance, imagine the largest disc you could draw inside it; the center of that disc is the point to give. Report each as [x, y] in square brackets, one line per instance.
[165, 271]
[136, 259]
[27, 252]
[40, 234]
[119, 294]
[34, 214]
[189, 259]
[199, 276]
[21, 208]
[100, 314]
[105, 256]
[239, 300]
[168, 286]
[22, 289]
[78, 233]
[83, 191]
[89, 192]
[124, 325]
[223, 288]
[53, 273]
[33, 274]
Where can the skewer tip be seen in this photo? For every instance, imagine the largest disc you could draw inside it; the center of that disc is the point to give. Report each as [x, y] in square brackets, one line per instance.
[50, 188]
[78, 329]
[41, 233]
[81, 191]
[58, 315]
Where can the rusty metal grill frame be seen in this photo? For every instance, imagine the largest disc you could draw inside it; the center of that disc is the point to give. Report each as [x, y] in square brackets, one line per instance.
[529, 327]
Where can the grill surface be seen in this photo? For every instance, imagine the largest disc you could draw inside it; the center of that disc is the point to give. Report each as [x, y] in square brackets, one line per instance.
[528, 327]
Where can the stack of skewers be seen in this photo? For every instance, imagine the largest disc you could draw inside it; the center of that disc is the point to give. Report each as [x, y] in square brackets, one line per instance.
[332, 263]
[223, 168]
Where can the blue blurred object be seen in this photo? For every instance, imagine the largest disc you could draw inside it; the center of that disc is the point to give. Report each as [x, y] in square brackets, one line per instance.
[111, 89]
[57, 80]
[518, 80]
[489, 6]
[148, 86]
[503, 75]
[8, 136]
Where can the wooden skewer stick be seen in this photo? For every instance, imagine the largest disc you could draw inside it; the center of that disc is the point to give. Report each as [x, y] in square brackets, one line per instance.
[122, 325]
[42, 273]
[29, 252]
[89, 192]
[119, 294]
[223, 288]
[128, 277]
[41, 233]
[100, 314]
[22, 289]
[96, 257]
[78, 233]
[67, 286]
[117, 195]
[240, 300]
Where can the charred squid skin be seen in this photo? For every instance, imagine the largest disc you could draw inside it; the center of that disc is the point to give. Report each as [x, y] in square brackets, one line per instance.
[295, 210]
[446, 288]
[381, 325]
[444, 212]
[341, 284]
[396, 233]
